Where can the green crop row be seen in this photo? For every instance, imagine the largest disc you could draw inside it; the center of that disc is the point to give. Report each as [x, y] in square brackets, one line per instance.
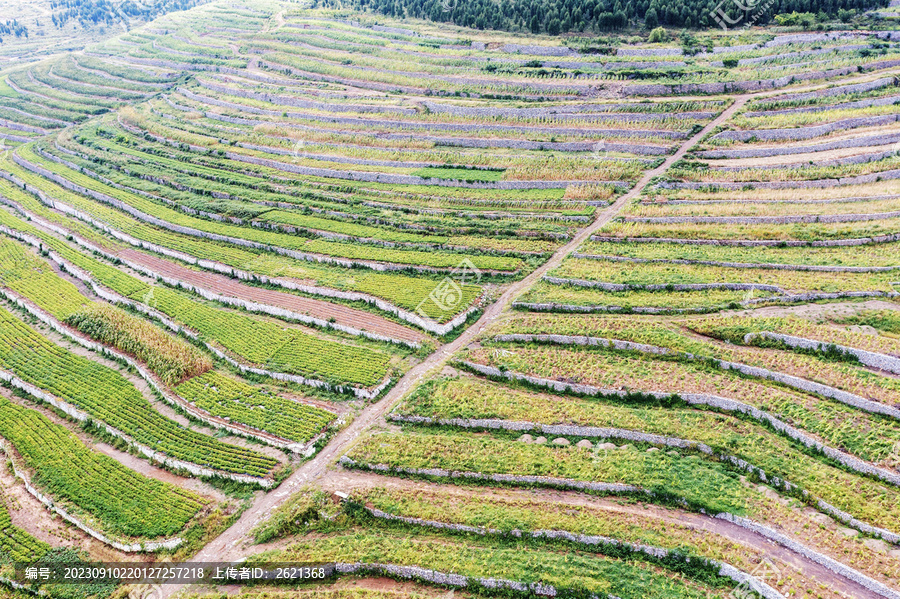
[472, 398]
[702, 484]
[123, 501]
[16, 544]
[278, 240]
[762, 231]
[734, 330]
[169, 357]
[586, 572]
[681, 335]
[869, 436]
[34, 278]
[704, 301]
[403, 290]
[880, 254]
[109, 397]
[259, 340]
[272, 345]
[611, 271]
[229, 398]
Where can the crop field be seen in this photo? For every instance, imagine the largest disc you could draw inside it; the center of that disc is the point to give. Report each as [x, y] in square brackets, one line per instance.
[455, 311]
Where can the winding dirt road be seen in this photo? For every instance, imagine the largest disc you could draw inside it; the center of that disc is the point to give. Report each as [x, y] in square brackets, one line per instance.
[230, 544]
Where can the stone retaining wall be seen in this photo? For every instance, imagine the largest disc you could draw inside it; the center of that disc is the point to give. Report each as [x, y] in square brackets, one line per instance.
[472, 142]
[393, 179]
[725, 570]
[142, 216]
[411, 317]
[38, 117]
[875, 360]
[591, 112]
[298, 103]
[762, 265]
[556, 430]
[156, 62]
[849, 160]
[888, 101]
[787, 55]
[463, 127]
[447, 579]
[679, 287]
[608, 488]
[546, 481]
[172, 399]
[535, 50]
[830, 564]
[809, 131]
[230, 300]
[755, 242]
[146, 546]
[774, 220]
[736, 86]
[856, 142]
[855, 88]
[155, 85]
[16, 138]
[150, 454]
[714, 401]
[113, 297]
[787, 299]
[589, 309]
[23, 127]
[152, 381]
[794, 382]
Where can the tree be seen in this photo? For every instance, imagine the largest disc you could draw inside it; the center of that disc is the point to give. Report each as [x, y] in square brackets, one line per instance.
[658, 36]
[651, 20]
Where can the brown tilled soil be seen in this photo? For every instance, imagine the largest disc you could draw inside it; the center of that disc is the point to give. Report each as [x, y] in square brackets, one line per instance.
[222, 285]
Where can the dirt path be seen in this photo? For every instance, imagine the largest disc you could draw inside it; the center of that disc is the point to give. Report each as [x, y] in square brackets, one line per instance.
[228, 545]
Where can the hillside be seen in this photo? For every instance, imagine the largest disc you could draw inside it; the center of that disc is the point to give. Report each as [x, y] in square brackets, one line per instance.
[32, 30]
[454, 312]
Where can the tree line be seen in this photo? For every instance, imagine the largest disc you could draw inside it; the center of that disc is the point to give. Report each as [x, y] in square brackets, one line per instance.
[105, 12]
[13, 27]
[594, 16]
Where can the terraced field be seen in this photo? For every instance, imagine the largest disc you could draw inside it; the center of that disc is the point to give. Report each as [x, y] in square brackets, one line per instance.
[456, 310]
